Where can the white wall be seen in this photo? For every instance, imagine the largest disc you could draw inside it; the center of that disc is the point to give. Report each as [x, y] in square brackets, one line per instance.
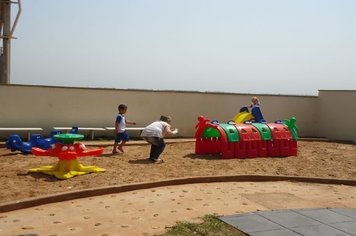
[45, 106]
[337, 114]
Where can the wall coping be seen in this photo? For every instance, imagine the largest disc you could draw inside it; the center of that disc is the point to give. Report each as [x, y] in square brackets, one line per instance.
[156, 90]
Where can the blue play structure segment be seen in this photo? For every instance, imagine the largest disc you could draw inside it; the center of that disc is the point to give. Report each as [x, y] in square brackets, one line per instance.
[74, 130]
[15, 143]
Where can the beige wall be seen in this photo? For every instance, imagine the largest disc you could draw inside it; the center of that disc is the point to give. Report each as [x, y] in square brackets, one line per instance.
[45, 106]
[337, 115]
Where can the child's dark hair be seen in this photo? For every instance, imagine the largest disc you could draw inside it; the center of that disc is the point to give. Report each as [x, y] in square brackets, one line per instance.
[167, 119]
[122, 107]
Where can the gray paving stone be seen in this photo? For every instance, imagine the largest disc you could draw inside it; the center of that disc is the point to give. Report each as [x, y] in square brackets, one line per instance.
[326, 216]
[251, 222]
[346, 212]
[307, 222]
[288, 218]
[319, 230]
[349, 227]
[278, 232]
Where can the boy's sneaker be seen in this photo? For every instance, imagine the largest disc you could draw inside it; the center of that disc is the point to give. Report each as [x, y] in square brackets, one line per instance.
[158, 161]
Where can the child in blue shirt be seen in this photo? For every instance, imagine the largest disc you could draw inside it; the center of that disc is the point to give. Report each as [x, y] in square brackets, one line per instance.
[121, 135]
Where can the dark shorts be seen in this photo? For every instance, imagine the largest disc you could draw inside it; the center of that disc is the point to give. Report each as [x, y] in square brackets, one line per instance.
[124, 136]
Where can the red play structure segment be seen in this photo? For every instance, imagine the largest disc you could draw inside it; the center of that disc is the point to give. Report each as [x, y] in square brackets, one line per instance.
[232, 140]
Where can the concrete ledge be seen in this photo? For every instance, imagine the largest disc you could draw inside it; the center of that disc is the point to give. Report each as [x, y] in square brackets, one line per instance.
[32, 202]
[28, 130]
[107, 143]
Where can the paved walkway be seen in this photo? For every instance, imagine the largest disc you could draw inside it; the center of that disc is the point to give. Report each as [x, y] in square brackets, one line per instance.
[307, 222]
[152, 211]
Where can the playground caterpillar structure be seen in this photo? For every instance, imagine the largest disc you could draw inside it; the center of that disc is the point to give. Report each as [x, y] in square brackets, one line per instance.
[248, 140]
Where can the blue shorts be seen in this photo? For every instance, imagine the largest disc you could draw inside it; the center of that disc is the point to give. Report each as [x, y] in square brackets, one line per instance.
[124, 136]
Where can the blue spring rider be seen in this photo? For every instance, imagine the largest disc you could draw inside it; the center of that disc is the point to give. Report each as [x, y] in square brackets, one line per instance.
[15, 143]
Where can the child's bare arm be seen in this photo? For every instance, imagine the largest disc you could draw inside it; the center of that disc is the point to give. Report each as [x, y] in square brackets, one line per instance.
[116, 125]
[130, 122]
[168, 130]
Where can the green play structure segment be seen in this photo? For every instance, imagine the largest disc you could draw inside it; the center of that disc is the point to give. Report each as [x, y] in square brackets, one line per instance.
[231, 132]
[293, 128]
[211, 133]
[68, 138]
[264, 131]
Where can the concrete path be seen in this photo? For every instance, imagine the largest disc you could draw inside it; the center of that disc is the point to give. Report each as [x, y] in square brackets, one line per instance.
[307, 222]
[150, 211]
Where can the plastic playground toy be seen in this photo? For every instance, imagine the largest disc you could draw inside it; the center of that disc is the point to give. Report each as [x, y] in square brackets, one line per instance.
[15, 143]
[245, 115]
[67, 152]
[248, 140]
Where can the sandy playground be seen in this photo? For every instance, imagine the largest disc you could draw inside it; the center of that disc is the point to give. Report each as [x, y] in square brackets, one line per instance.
[157, 209]
[315, 159]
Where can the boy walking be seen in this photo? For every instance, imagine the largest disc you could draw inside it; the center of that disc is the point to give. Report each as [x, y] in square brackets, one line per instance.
[121, 135]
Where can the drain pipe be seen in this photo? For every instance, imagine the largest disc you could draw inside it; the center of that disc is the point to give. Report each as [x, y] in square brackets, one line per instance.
[7, 35]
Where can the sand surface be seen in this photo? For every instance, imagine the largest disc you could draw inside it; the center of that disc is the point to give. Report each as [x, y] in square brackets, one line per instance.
[315, 159]
[150, 211]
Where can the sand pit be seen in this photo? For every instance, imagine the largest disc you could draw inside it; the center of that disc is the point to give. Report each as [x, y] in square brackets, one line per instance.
[315, 159]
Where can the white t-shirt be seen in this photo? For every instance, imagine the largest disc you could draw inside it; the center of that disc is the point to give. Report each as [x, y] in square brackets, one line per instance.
[155, 129]
[121, 123]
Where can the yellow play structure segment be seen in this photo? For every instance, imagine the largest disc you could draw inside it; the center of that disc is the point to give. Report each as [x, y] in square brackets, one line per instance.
[241, 117]
[66, 169]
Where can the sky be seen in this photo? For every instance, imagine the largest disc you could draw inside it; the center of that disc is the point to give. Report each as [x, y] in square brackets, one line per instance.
[257, 46]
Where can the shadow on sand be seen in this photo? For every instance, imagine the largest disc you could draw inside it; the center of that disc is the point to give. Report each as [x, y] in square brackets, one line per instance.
[110, 155]
[13, 154]
[48, 178]
[203, 157]
[141, 161]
